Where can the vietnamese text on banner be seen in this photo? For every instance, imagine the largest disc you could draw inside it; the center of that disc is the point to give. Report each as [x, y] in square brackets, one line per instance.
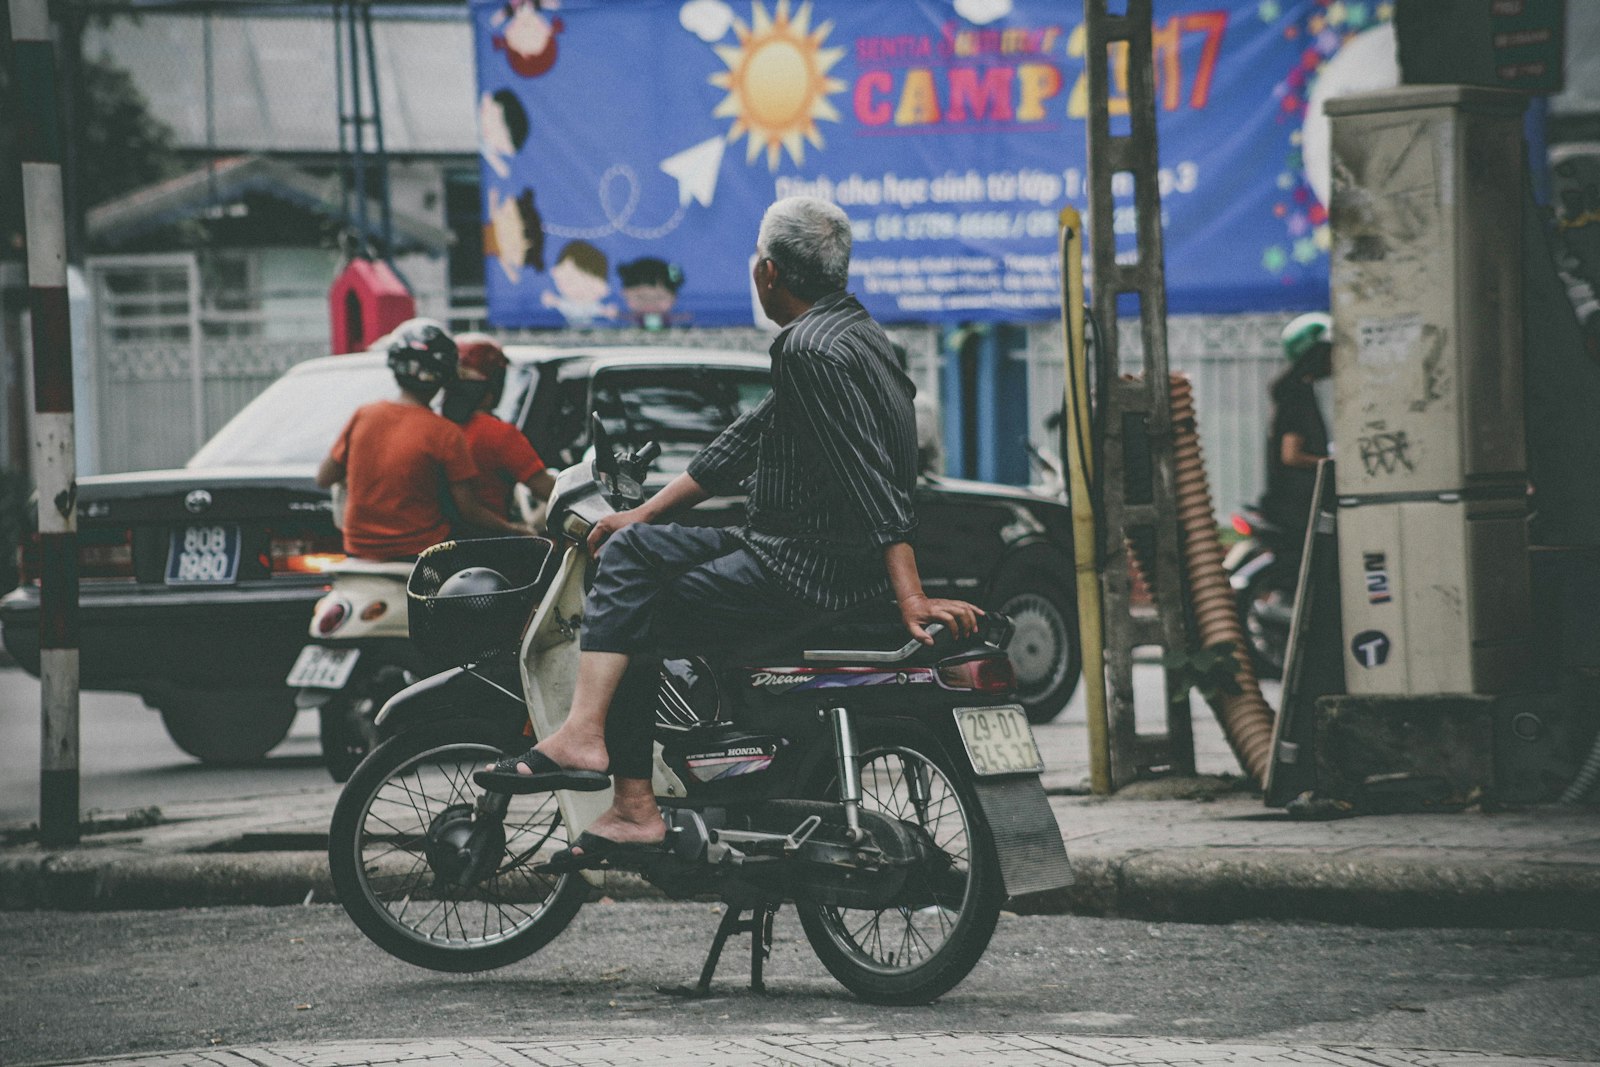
[630, 147]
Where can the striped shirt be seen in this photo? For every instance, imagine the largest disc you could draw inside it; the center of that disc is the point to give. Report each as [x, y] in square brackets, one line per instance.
[833, 450]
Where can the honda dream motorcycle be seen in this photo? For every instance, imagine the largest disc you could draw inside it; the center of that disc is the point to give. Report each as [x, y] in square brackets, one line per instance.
[888, 789]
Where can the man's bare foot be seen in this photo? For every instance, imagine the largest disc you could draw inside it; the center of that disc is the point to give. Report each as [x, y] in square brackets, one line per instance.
[617, 826]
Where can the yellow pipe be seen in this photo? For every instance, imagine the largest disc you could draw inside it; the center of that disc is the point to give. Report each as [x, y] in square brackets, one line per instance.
[1080, 474]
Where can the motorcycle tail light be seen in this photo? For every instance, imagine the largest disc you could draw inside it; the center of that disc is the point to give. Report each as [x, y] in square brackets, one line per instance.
[1242, 527]
[986, 674]
[331, 614]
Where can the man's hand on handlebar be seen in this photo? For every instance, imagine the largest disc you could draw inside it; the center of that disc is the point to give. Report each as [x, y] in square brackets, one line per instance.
[608, 526]
[919, 611]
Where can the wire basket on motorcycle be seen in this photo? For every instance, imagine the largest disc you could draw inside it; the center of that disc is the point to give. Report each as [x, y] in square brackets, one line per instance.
[468, 600]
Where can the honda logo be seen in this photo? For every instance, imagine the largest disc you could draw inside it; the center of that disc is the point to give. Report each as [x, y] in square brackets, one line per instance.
[197, 501]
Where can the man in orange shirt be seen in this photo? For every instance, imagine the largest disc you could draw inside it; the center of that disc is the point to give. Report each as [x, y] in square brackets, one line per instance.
[398, 458]
[501, 453]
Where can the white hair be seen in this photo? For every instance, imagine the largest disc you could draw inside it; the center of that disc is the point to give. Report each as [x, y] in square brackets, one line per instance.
[809, 240]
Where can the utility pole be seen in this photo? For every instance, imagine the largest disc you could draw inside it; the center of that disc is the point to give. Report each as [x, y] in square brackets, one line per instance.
[40, 142]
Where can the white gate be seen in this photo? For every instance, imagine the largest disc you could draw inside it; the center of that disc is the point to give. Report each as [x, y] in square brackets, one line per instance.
[147, 381]
[174, 359]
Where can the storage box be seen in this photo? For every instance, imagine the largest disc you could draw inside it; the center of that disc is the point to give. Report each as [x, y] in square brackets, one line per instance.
[1434, 594]
[1426, 282]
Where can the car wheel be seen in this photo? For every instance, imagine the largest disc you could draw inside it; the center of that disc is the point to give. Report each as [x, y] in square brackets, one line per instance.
[1044, 647]
[228, 727]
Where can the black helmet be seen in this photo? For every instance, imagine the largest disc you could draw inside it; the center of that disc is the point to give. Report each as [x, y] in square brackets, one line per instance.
[422, 353]
[474, 581]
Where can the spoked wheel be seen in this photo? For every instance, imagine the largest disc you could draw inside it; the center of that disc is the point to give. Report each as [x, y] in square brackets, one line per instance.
[431, 881]
[920, 948]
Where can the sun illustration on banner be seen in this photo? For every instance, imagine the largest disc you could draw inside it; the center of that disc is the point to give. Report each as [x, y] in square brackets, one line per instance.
[777, 82]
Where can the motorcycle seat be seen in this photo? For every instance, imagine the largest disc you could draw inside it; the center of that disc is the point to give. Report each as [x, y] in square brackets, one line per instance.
[865, 635]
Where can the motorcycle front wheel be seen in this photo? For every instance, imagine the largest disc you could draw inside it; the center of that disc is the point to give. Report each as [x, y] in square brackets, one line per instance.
[920, 949]
[428, 879]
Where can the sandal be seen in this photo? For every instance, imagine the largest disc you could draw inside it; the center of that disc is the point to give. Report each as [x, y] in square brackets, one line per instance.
[547, 776]
[599, 852]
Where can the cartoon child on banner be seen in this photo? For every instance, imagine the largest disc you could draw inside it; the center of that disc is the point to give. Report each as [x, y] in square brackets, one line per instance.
[526, 36]
[650, 289]
[581, 286]
[502, 129]
[514, 234]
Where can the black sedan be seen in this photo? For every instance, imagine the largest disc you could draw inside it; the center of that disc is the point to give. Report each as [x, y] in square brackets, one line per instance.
[210, 647]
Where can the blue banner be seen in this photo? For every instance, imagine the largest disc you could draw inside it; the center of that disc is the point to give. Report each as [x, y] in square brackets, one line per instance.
[630, 147]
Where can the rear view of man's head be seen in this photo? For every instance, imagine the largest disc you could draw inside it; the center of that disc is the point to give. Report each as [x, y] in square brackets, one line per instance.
[807, 241]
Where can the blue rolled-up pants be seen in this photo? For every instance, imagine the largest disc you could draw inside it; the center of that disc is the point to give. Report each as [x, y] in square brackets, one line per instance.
[673, 589]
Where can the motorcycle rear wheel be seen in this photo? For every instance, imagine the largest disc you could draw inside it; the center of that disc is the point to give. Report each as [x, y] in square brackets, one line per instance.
[904, 955]
[384, 853]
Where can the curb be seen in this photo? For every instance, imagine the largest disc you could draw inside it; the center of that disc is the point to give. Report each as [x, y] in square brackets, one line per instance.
[1206, 885]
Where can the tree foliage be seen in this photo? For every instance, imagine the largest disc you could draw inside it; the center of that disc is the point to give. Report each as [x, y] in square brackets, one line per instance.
[120, 145]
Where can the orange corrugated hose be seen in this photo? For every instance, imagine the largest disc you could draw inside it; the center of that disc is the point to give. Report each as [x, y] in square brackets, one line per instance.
[1246, 717]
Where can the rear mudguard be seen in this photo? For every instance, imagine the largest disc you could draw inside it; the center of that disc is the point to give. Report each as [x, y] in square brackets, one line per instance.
[480, 692]
[1027, 837]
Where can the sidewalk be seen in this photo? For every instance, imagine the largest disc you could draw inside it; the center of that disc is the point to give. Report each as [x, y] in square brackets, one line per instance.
[826, 1050]
[1220, 856]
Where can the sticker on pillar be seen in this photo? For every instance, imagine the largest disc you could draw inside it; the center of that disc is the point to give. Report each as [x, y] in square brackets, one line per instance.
[1371, 648]
[1376, 565]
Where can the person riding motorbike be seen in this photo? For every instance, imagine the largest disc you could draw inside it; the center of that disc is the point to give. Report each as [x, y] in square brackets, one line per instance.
[833, 454]
[500, 451]
[398, 458]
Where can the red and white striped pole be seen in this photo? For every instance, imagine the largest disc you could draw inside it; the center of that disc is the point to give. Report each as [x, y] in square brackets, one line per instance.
[54, 461]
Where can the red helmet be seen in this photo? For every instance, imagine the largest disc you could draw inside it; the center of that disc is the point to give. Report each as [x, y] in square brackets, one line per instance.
[482, 359]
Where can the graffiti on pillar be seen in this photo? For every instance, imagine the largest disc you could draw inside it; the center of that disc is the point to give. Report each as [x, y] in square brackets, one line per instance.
[1386, 453]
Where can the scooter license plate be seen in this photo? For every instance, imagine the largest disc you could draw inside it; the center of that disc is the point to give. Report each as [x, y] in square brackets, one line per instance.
[999, 740]
[318, 667]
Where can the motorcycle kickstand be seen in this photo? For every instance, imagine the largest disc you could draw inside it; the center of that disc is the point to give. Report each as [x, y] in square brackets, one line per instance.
[758, 926]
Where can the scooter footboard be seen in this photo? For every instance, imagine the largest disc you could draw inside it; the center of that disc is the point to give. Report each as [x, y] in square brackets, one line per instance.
[1033, 858]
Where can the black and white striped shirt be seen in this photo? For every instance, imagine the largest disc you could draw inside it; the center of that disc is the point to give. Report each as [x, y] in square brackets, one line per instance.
[833, 450]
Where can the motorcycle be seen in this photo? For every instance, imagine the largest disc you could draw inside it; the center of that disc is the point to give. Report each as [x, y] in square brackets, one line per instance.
[360, 653]
[888, 790]
[1263, 569]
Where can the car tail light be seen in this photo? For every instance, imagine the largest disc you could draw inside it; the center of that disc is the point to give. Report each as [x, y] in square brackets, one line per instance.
[1242, 527]
[28, 565]
[985, 674]
[330, 614]
[101, 554]
[304, 553]
[105, 554]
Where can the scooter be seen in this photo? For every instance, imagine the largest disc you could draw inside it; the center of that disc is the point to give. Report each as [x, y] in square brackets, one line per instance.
[1262, 568]
[888, 790]
[360, 655]
[361, 652]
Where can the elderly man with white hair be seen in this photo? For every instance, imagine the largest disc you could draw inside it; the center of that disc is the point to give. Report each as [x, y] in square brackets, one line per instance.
[828, 461]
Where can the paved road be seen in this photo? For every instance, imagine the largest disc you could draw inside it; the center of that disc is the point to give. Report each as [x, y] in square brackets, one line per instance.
[127, 761]
[81, 985]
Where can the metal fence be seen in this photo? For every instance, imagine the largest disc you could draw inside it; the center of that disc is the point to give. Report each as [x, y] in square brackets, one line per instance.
[1231, 360]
